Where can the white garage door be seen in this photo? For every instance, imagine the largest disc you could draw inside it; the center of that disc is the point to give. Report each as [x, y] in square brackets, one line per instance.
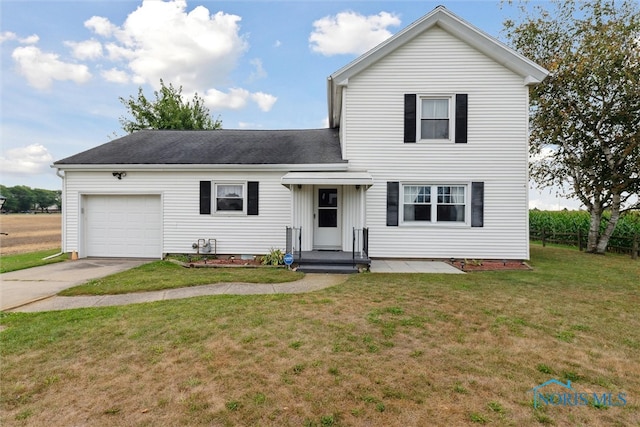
[123, 226]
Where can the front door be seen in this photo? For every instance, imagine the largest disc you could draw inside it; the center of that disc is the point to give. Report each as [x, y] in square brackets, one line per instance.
[327, 218]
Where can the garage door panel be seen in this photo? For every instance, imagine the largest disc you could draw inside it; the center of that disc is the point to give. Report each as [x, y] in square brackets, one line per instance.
[123, 226]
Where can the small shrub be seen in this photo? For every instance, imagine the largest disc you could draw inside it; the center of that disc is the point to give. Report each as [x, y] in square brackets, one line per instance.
[274, 257]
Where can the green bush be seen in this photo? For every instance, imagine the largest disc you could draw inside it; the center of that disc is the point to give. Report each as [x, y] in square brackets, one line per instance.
[274, 257]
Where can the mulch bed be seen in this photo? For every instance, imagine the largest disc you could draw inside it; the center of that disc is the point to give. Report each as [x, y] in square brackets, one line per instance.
[223, 262]
[489, 265]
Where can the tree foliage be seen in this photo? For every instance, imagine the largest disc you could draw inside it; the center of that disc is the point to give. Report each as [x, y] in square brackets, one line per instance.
[585, 117]
[167, 111]
[23, 199]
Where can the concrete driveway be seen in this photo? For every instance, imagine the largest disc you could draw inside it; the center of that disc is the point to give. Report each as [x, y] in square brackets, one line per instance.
[24, 286]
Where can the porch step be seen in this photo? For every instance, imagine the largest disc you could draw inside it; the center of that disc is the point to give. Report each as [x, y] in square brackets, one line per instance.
[336, 262]
[328, 268]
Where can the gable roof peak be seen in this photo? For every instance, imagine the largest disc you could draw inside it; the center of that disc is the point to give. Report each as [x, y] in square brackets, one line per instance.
[441, 17]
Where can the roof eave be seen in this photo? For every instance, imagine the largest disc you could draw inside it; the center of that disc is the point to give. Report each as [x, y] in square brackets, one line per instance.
[204, 167]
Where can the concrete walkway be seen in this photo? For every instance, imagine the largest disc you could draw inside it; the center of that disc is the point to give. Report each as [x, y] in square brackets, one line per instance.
[32, 284]
[412, 266]
[310, 282]
[35, 289]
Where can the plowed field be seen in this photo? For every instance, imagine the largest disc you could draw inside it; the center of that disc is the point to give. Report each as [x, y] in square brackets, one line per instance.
[29, 232]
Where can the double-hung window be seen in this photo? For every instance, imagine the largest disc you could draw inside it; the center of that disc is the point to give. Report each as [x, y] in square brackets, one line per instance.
[451, 203]
[417, 203]
[229, 197]
[434, 203]
[434, 118]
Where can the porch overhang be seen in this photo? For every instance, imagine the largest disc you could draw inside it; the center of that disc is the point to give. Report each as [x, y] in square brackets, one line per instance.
[327, 178]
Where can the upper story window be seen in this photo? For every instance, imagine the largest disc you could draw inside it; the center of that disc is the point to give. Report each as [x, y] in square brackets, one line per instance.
[434, 118]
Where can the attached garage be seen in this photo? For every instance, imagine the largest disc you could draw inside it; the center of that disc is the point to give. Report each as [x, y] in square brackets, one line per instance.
[123, 226]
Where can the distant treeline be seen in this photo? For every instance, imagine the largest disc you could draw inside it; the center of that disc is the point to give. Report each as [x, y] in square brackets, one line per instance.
[26, 199]
[558, 225]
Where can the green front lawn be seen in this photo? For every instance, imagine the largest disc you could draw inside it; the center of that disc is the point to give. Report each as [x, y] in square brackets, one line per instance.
[380, 349]
[159, 275]
[33, 259]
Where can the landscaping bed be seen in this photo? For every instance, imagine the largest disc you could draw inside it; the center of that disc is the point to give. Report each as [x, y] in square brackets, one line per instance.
[489, 265]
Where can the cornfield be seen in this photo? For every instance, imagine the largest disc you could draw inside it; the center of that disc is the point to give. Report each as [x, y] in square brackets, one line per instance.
[565, 226]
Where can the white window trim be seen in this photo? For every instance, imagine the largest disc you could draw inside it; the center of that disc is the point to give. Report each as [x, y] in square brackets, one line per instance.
[452, 111]
[214, 198]
[434, 205]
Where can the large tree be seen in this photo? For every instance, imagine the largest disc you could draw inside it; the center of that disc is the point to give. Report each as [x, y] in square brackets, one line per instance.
[167, 111]
[585, 117]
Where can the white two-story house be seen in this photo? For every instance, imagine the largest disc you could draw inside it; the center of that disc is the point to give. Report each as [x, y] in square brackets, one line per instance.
[426, 156]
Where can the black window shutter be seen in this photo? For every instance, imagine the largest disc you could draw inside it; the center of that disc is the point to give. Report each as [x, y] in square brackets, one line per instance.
[252, 198]
[205, 197]
[477, 204]
[410, 124]
[461, 118]
[393, 196]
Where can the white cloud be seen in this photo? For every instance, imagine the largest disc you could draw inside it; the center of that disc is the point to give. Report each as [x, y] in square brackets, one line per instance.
[41, 68]
[32, 159]
[259, 71]
[32, 39]
[115, 75]
[160, 40]
[236, 99]
[100, 26]
[8, 35]
[264, 100]
[88, 49]
[277, 43]
[196, 50]
[350, 33]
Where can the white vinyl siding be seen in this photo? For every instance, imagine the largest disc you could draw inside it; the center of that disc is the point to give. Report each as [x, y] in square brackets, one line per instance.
[182, 223]
[495, 153]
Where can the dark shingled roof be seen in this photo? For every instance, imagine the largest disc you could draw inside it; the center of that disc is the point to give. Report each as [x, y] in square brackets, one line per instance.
[221, 147]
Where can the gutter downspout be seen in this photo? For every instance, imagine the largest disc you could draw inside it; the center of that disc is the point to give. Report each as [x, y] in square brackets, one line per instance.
[63, 207]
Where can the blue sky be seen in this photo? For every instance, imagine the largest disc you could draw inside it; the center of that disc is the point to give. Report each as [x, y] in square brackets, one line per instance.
[257, 64]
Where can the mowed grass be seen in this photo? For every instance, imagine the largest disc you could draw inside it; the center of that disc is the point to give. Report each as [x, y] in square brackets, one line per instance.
[28, 260]
[160, 275]
[380, 349]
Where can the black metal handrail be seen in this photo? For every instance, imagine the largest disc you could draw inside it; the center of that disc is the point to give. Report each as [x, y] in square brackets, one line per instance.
[291, 239]
[360, 243]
